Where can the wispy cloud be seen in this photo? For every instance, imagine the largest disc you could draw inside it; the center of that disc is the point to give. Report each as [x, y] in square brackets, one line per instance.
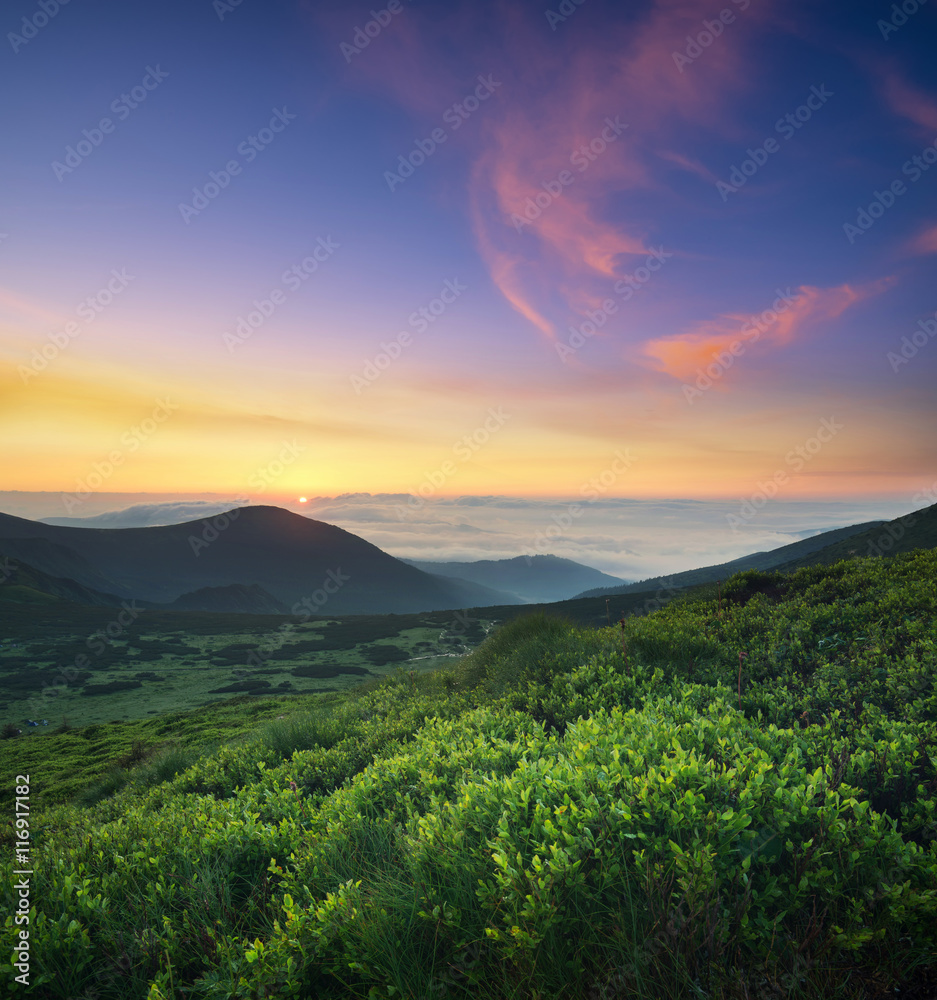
[545, 242]
[925, 242]
[554, 101]
[689, 165]
[909, 101]
[683, 354]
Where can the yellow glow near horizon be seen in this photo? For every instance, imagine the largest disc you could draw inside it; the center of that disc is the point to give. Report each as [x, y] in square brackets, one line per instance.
[88, 428]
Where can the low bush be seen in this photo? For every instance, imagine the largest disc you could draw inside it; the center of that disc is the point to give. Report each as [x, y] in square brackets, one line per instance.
[732, 797]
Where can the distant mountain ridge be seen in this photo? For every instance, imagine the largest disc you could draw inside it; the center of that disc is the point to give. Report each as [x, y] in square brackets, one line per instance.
[22, 583]
[291, 557]
[55, 560]
[529, 579]
[283, 554]
[917, 530]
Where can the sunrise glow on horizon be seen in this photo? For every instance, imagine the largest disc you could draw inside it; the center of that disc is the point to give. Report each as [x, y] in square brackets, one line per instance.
[470, 250]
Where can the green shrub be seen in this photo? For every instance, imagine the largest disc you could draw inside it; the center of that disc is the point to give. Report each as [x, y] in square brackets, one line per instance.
[733, 796]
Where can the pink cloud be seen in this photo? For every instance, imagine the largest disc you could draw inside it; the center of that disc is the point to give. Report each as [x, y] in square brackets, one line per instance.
[925, 242]
[552, 101]
[682, 355]
[908, 101]
[566, 233]
[691, 166]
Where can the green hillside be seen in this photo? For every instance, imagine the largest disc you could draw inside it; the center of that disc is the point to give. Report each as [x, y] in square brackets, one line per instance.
[730, 797]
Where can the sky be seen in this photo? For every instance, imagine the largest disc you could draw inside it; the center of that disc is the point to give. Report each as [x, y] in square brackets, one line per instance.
[310, 249]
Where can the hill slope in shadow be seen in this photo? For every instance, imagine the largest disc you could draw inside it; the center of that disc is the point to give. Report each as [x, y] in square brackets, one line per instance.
[773, 559]
[293, 558]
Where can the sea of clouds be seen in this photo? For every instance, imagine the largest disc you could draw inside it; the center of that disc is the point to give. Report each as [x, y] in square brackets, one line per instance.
[632, 539]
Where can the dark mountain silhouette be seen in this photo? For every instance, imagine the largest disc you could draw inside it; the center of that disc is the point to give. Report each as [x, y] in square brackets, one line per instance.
[287, 558]
[293, 558]
[527, 578]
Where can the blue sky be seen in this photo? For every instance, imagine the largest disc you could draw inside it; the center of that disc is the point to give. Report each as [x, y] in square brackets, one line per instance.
[540, 330]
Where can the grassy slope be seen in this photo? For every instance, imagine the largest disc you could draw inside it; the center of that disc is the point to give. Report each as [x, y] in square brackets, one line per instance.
[67, 761]
[673, 819]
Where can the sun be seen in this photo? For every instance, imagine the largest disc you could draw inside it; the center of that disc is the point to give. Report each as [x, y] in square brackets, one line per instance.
[303, 500]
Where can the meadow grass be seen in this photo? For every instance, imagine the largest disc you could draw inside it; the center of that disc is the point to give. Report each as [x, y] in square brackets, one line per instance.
[566, 812]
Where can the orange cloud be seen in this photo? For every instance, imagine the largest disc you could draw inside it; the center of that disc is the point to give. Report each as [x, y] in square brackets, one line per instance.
[681, 356]
[531, 204]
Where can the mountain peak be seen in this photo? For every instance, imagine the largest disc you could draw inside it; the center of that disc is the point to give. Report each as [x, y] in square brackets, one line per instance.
[292, 557]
